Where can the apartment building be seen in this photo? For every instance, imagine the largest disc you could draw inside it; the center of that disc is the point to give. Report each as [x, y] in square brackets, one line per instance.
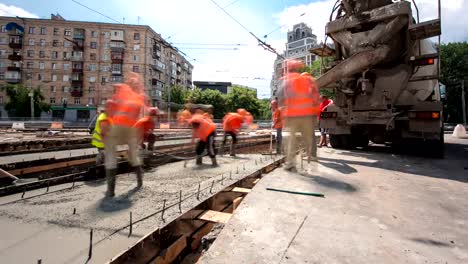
[76, 63]
[300, 41]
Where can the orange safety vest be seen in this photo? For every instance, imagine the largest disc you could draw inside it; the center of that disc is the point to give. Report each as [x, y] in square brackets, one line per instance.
[205, 128]
[232, 122]
[126, 106]
[301, 96]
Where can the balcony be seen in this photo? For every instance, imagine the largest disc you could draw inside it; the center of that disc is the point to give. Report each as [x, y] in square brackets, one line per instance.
[116, 72]
[77, 92]
[16, 45]
[78, 45]
[156, 54]
[77, 78]
[116, 79]
[13, 68]
[76, 58]
[117, 57]
[15, 57]
[12, 77]
[78, 33]
[15, 32]
[77, 70]
[117, 46]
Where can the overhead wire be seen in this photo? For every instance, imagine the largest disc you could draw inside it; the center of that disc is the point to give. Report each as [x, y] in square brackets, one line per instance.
[106, 16]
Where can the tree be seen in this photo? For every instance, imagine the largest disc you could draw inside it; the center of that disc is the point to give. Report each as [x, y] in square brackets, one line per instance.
[215, 98]
[178, 94]
[240, 97]
[454, 69]
[265, 110]
[19, 104]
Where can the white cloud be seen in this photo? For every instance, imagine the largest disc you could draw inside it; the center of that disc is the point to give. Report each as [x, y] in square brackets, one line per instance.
[11, 10]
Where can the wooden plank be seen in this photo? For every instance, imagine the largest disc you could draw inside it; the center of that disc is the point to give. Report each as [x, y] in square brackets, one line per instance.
[215, 216]
[58, 165]
[241, 190]
[172, 252]
[256, 181]
[196, 238]
[236, 203]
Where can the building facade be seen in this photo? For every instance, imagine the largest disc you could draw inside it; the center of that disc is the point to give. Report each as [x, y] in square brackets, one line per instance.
[76, 63]
[223, 87]
[300, 41]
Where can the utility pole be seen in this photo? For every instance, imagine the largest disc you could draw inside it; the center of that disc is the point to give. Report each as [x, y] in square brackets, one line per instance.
[169, 107]
[463, 101]
[31, 95]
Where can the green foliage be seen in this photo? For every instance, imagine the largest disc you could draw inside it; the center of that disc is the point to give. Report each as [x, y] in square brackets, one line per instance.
[215, 98]
[19, 104]
[240, 97]
[265, 111]
[454, 69]
[178, 94]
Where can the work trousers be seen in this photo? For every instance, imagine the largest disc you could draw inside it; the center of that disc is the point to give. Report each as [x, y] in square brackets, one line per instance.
[150, 138]
[233, 141]
[306, 126]
[209, 145]
[100, 156]
[279, 140]
[121, 135]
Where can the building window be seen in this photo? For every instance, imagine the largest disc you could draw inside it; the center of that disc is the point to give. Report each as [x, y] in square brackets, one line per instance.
[93, 45]
[2, 76]
[54, 66]
[136, 58]
[31, 42]
[116, 67]
[43, 30]
[54, 77]
[67, 32]
[65, 89]
[136, 47]
[53, 89]
[66, 55]
[41, 54]
[67, 44]
[42, 42]
[103, 79]
[105, 68]
[3, 40]
[77, 100]
[66, 78]
[55, 55]
[30, 53]
[41, 65]
[92, 79]
[52, 99]
[106, 45]
[66, 66]
[56, 31]
[91, 101]
[91, 88]
[136, 68]
[103, 101]
[31, 30]
[30, 65]
[92, 67]
[94, 34]
[105, 57]
[39, 77]
[55, 43]
[136, 36]
[106, 34]
[92, 56]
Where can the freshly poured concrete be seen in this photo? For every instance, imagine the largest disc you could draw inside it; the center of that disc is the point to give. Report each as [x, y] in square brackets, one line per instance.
[46, 228]
[379, 207]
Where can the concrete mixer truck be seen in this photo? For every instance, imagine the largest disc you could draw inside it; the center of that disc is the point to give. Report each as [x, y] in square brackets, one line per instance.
[385, 73]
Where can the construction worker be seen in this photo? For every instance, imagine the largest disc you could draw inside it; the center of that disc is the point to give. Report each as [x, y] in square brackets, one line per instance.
[277, 124]
[98, 134]
[324, 102]
[299, 96]
[124, 110]
[183, 117]
[205, 131]
[145, 128]
[232, 122]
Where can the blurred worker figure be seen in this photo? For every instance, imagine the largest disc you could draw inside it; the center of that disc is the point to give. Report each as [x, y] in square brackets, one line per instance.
[145, 128]
[183, 117]
[98, 135]
[324, 102]
[299, 96]
[232, 122]
[205, 131]
[124, 109]
[277, 124]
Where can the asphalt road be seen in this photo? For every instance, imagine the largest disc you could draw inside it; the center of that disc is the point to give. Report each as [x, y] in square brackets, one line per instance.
[380, 206]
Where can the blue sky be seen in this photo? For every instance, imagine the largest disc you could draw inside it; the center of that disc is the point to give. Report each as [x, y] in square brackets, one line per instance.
[200, 21]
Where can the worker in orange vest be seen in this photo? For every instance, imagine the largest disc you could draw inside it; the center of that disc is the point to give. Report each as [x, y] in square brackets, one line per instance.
[277, 124]
[299, 96]
[232, 122]
[145, 128]
[205, 131]
[124, 109]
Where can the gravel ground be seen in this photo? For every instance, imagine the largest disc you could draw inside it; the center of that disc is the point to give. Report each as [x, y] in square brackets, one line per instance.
[50, 217]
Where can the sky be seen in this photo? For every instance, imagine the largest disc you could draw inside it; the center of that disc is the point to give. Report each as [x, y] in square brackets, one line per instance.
[192, 24]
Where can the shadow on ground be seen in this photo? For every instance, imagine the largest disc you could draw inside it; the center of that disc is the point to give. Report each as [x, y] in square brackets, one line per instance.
[329, 183]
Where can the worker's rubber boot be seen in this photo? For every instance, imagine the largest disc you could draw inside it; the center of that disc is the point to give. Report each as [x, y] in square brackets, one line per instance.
[139, 175]
[199, 160]
[214, 163]
[232, 151]
[110, 176]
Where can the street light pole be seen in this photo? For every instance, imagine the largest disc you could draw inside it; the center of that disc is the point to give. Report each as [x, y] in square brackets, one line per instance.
[31, 95]
[463, 101]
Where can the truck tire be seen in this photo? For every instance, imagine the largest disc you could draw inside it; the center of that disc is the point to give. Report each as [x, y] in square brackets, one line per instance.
[335, 141]
[341, 141]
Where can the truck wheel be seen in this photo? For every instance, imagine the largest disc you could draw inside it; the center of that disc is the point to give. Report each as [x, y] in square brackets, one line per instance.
[335, 141]
[361, 141]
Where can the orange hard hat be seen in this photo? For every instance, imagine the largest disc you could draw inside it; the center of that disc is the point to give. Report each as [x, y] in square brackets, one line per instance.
[294, 65]
[242, 112]
[153, 111]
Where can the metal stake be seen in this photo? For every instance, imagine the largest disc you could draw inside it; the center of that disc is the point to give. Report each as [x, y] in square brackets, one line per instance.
[198, 192]
[47, 190]
[180, 201]
[39, 261]
[164, 208]
[302, 162]
[90, 253]
[222, 179]
[237, 170]
[255, 161]
[24, 192]
[74, 210]
[243, 166]
[230, 175]
[131, 226]
[212, 184]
